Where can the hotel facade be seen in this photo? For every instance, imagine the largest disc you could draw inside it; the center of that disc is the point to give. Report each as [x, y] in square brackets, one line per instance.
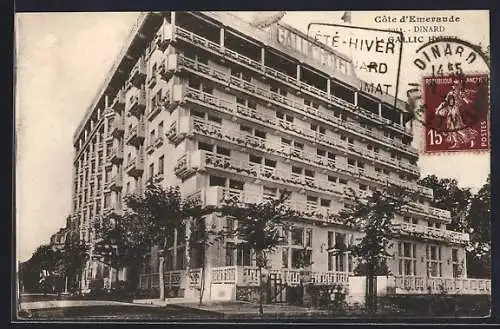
[223, 109]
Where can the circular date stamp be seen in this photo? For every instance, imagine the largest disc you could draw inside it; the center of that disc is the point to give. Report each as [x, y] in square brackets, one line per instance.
[451, 101]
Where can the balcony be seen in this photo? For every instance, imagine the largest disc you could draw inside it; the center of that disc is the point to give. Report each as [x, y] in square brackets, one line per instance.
[168, 67]
[150, 148]
[198, 97]
[136, 135]
[118, 128]
[135, 167]
[178, 130]
[116, 155]
[118, 104]
[138, 73]
[114, 209]
[116, 183]
[163, 37]
[152, 81]
[429, 211]
[265, 71]
[432, 233]
[158, 141]
[429, 285]
[137, 104]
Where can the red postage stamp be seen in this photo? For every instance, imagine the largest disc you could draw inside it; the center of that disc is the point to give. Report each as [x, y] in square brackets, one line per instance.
[456, 113]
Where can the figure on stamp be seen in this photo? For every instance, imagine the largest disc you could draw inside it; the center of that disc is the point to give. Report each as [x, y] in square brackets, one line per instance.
[457, 103]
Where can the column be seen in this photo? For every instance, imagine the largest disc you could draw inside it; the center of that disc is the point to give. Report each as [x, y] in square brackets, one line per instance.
[380, 109]
[328, 86]
[298, 72]
[172, 18]
[401, 121]
[221, 40]
[355, 98]
[263, 56]
[174, 261]
[106, 101]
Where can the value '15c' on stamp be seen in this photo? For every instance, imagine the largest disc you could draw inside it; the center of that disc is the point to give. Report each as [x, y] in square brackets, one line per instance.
[456, 113]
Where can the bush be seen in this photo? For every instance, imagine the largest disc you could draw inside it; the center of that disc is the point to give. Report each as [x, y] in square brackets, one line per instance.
[331, 297]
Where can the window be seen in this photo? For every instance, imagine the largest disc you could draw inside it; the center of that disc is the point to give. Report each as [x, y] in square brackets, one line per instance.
[457, 268]
[161, 164]
[217, 181]
[205, 147]
[332, 179]
[434, 264]
[246, 129]
[407, 258]
[214, 119]
[270, 163]
[301, 258]
[298, 236]
[284, 257]
[237, 185]
[260, 134]
[160, 129]
[342, 181]
[223, 151]
[308, 238]
[326, 203]
[255, 159]
[198, 114]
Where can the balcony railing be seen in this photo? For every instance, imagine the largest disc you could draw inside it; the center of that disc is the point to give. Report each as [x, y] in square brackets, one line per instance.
[138, 73]
[135, 167]
[116, 155]
[116, 183]
[163, 37]
[136, 134]
[118, 127]
[212, 102]
[137, 103]
[215, 196]
[300, 86]
[437, 285]
[285, 151]
[119, 102]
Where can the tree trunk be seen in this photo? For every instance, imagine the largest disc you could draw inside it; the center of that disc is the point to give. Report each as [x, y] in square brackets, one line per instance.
[261, 293]
[202, 277]
[161, 277]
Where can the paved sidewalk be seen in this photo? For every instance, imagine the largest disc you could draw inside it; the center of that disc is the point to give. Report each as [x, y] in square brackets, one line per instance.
[244, 309]
[49, 304]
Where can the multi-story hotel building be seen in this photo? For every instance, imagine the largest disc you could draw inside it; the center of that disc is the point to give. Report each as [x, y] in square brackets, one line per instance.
[205, 101]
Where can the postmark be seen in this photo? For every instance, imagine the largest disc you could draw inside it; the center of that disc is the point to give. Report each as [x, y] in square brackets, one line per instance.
[444, 64]
[456, 113]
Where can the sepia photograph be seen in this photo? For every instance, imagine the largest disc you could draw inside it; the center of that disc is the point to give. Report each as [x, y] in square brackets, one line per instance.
[230, 166]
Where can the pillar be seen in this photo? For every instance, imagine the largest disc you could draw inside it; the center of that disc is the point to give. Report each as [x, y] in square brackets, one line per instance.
[263, 56]
[355, 98]
[172, 18]
[401, 121]
[380, 109]
[329, 86]
[298, 72]
[221, 40]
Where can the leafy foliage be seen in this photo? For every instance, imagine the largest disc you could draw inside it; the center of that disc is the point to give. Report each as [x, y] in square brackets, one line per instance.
[373, 217]
[260, 227]
[479, 223]
[448, 195]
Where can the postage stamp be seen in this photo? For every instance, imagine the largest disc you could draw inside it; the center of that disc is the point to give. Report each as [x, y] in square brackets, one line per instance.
[456, 113]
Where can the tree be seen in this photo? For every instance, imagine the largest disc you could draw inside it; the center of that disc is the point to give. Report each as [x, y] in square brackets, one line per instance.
[73, 257]
[120, 241]
[46, 260]
[373, 216]
[449, 196]
[260, 228]
[479, 224]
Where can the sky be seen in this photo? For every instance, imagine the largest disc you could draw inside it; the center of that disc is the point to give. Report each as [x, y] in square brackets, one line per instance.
[61, 60]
